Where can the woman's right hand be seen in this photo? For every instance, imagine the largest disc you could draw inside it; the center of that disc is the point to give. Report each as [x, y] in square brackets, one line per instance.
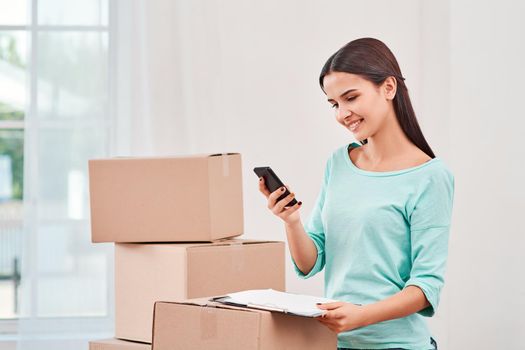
[290, 215]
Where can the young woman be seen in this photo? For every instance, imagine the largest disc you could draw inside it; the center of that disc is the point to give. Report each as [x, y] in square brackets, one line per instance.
[381, 222]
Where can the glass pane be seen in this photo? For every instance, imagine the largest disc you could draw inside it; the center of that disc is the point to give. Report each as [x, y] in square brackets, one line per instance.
[78, 12]
[68, 262]
[11, 218]
[13, 75]
[14, 12]
[11, 165]
[72, 75]
[63, 177]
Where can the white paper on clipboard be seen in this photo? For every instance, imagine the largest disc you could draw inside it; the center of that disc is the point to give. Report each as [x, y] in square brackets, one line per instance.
[272, 300]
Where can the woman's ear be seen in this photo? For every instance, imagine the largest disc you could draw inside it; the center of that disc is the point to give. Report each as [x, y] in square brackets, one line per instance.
[389, 88]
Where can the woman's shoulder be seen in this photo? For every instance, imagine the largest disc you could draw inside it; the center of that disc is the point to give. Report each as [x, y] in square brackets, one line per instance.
[439, 168]
[436, 175]
[336, 159]
[343, 150]
[338, 156]
[433, 184]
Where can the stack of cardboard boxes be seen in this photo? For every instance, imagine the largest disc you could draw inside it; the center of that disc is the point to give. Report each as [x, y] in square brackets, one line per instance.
[174, 222]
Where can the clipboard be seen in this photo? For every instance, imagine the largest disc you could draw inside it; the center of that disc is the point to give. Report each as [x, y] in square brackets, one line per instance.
[275, 301]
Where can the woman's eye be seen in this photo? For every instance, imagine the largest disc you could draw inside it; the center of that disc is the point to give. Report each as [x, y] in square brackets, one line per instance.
[351, 98]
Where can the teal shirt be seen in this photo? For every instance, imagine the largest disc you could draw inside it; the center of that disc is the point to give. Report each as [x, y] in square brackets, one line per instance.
[378, 232]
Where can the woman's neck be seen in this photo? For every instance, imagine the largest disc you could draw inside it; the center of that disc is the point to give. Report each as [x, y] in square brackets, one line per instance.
[389, 143]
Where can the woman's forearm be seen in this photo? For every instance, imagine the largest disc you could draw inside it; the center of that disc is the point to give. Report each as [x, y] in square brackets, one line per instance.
[302, 248]
[406, 302]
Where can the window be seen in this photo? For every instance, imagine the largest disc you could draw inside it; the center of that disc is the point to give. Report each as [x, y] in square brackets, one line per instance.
[54, 116]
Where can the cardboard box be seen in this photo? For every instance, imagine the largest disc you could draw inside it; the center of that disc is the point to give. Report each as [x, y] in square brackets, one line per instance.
[200, 324]
[116, 344]
[178, 199]
[146, 273]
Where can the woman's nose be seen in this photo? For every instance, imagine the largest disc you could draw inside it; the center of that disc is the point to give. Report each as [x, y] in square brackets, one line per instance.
[344, 114]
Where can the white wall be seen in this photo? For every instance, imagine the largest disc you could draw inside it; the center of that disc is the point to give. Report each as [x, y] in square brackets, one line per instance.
[486, 278]
[244, 76]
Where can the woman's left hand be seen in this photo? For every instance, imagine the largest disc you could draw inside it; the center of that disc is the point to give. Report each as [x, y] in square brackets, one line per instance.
[341, 316]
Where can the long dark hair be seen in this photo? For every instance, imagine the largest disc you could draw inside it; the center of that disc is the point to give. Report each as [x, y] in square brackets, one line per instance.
[372, 59]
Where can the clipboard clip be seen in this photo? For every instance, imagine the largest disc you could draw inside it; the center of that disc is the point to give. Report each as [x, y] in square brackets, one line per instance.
[267, 307]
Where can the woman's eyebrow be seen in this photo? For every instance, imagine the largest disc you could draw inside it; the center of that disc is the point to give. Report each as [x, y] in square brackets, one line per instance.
[343, 94]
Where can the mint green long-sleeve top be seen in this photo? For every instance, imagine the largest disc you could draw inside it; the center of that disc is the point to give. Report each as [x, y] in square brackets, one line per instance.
[377, 233]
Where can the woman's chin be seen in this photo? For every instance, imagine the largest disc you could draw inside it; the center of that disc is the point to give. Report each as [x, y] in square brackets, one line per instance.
[359, 135]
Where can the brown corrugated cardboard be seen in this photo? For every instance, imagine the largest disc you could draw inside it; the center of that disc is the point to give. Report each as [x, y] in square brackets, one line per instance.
[116, 344]
[200, 324]
[178, 199]
[145, 273]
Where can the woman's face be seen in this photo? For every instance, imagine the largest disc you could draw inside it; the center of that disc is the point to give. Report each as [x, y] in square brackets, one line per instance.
[360, 106]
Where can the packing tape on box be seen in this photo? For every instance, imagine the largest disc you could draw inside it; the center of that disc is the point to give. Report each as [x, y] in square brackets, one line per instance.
[225, 164]
[237, 256]
[208, 322]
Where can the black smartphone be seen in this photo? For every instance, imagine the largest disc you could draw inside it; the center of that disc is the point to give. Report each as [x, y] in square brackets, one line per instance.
[273, 183]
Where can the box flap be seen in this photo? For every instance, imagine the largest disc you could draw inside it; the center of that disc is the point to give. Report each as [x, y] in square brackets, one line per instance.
[223, 154]
[117, 344]
[207, 302]
[128, 158]
[174, 156]
[231, 242]
[219, 242]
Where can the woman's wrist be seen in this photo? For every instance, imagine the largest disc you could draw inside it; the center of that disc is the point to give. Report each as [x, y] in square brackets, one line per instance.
[366, 315]
[293, 224]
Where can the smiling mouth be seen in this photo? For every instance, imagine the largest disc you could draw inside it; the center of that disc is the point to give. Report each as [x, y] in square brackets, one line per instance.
[355, 125]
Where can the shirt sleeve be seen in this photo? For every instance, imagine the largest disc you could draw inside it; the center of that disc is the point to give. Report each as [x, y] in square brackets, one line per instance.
[315, 229]
[429, 229]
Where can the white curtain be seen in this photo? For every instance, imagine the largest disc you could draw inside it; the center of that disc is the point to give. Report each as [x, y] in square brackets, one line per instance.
[65, 288]
[149, 84]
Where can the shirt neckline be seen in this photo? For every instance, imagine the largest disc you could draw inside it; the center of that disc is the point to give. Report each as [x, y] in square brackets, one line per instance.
[383, 173]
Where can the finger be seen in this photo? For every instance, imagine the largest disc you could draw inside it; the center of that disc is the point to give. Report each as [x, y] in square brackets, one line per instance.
[330, 306]
[329, 316]
[335, 315]
[328, 321]
[283, 202]
[331, 326]
[272, 199]
[323, 321]
[263, 188]
[290, 210]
